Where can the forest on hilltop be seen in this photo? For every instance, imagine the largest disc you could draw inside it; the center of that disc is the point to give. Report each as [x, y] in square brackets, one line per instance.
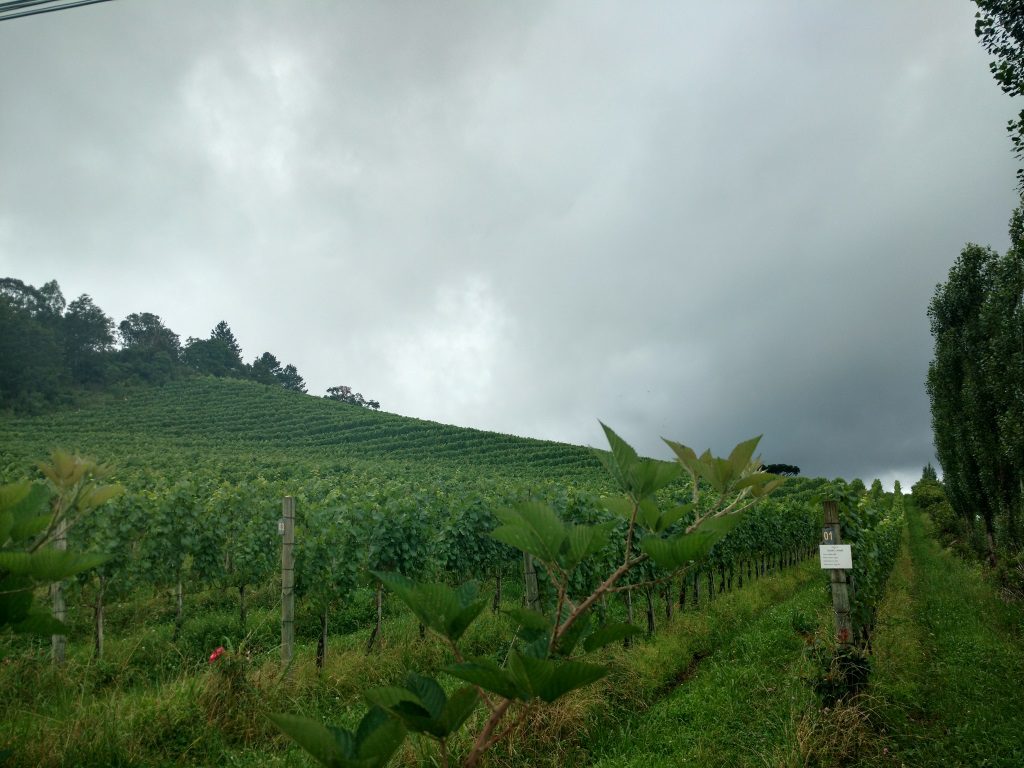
[51, 348]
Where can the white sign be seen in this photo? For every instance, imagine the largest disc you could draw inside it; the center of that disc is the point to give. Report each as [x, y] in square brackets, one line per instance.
[836, 556]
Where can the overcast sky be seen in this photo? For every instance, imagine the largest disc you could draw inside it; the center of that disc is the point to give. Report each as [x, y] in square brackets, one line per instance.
[698, 220]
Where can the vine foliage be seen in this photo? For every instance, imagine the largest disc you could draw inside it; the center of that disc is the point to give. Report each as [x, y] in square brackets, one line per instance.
[549, 657]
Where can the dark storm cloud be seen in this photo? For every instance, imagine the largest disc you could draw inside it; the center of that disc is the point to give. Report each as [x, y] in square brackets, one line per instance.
[697, 222]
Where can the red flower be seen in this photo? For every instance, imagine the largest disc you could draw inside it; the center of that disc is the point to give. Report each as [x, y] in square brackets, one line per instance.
[216, 654]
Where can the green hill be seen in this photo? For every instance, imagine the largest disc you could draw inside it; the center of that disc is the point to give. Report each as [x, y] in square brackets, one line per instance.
[203, 419]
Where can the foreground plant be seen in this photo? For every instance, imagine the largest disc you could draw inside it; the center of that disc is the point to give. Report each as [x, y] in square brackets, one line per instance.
[545, 662]
[33, 518]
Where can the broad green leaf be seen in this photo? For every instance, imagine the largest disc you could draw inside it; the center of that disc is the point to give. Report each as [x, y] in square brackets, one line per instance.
[378, 737]
[49, 564]
[639, 478]
[719, 526]
[652, 475]
[447, 611]
[460, 622]
[27, 526]
[489, 676]
[765, 488]
[529, 618]
[583, 541]
[739, 458]
[648, 514]
[390, 696]
[13, 494]
[418, 705]
[6, 524]
[621, 459]
[548, 679]
[430, 694]
[532, 527]
[719, 473]
[313, 737]
[670, 518]
[618, 505]
[28, 504]
[459, 707]
[675, 552]
[519, 538]
[536, 645]
[39, 622]
[752, 481]
[687, 458]
[98, 496]
[609, 633]
[567, 644]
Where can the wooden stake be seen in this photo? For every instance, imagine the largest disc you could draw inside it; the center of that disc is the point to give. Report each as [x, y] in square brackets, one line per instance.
[287, 581]
[58, 643]
[321, 645]
[840, 595]
[98, 619]
[530, 579]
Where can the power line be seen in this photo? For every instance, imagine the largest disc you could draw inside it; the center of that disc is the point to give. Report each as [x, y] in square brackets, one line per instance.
[15, 10]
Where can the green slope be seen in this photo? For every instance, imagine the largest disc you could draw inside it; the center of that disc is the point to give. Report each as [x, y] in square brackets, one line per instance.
[233, 416]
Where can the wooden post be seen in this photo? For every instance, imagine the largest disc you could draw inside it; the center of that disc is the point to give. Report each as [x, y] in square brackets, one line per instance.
[321, 644]
[830, 534]
[287, 580]
[530, 578]
[58, 643]
[98, 619]
[627, 642]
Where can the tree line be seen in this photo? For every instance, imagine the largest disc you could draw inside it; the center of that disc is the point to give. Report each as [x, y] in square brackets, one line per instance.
[974, 379]
[50, 348]
[974, 382]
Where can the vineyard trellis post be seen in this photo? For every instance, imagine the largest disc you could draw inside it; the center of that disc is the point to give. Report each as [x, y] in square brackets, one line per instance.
[530, 578]
[287, 580]
[58, 643]
[831, 535]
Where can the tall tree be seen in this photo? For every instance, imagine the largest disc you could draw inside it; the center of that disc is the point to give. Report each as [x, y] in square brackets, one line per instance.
[974, 386]
[291, 380]
[218, 355]
[150, 349]
[222, 332]
[31, 355]
[53, 299]
[88, 340]
[265, 369]
[344, 394]
[999, 25]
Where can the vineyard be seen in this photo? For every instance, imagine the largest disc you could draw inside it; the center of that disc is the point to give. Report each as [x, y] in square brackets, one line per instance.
[205, 468]
[180, 623]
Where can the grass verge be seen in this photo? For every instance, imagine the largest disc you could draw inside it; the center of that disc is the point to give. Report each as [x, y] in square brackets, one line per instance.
[949, 671]
[742, 706]
[212, 716]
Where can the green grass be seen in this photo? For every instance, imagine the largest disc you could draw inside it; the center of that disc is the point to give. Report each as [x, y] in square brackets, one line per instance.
[949, 679]
[741, 706]
[74, 717]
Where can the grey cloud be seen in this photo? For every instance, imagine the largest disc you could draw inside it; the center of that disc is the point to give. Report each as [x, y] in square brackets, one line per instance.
[702, 222]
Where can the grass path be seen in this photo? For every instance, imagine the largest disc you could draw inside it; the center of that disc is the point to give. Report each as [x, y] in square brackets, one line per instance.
[739, 709]
[949, 662]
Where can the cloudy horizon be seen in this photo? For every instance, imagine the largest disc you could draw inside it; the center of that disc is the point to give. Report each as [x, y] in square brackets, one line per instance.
[704, 223]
